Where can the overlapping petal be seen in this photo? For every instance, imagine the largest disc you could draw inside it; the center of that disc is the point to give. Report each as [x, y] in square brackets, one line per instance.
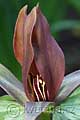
[40, 54]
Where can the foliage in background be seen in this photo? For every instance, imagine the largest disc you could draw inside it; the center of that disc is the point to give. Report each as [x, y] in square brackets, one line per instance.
[75, 4]
[54, 10]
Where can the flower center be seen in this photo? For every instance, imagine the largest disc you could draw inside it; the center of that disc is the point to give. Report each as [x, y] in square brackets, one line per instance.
[39, 88]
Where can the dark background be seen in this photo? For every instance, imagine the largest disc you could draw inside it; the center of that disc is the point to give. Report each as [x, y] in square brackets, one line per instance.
[64, 19]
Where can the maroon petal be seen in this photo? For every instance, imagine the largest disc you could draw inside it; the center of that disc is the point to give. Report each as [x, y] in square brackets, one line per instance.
[22, 45]
[28, 54]
[48, 56]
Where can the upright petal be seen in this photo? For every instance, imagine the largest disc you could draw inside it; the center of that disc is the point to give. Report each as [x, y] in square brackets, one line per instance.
[19, 34]
[28, 54]
[22, 45]
[48, 56]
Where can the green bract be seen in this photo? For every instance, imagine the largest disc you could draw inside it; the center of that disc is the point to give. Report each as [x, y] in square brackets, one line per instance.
[11, 85]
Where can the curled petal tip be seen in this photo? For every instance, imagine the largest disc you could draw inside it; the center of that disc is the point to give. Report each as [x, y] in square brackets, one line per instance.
[18, 35]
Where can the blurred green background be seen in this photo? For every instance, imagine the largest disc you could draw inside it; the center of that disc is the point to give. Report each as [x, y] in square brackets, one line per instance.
[64, 19]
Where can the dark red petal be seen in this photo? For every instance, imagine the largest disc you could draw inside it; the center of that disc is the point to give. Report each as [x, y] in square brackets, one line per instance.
[19, 35]
[28, 54]
[23, 49]
[48, 56]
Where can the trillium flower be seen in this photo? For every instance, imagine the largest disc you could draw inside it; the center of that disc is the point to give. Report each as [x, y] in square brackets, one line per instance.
[43, 67]
[40, 56]
[42, 62]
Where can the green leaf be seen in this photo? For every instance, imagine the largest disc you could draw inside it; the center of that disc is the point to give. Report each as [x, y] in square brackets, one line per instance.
[75, 4]
[44, 116]
[70, 108]
[11, 85]
[7, 97]
[10, 110]
[69, 84]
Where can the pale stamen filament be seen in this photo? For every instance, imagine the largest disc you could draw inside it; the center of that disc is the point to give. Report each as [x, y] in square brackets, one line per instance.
[43, 88]
[39, 86]
[35, 91]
